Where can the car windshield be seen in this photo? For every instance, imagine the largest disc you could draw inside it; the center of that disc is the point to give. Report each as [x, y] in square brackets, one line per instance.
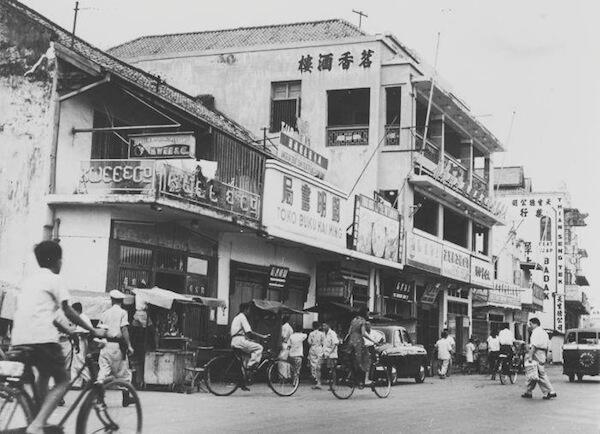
[587, 338]
[378, 336]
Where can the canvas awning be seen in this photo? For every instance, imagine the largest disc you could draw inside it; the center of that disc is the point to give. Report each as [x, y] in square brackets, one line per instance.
[275, 307]
[160, 297]
[210, 301]
[329, 306]
[93, 303]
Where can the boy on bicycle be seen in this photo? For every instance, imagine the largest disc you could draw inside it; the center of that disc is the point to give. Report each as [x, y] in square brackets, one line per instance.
[38, 302]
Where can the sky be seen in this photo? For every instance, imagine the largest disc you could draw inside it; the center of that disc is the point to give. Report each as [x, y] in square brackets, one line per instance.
[536, 58]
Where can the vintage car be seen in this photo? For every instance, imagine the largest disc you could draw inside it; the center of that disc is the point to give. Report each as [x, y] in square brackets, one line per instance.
[581, 353]
[406, 359]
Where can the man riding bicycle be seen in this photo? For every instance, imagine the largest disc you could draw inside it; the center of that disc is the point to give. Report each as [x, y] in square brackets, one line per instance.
[240, 331]
[507, 340]
[41, 297]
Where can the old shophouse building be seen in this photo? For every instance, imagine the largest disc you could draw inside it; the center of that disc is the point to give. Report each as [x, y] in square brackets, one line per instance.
[383, 216]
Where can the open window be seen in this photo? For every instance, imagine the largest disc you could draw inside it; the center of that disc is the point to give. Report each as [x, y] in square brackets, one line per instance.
[425, 214]
[392, 115]
[455, 228]
[285, 104]
[348, 117]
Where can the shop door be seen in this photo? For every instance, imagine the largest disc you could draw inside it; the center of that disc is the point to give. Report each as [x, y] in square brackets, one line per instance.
[462, 334]
[244, 292]
[427, 326]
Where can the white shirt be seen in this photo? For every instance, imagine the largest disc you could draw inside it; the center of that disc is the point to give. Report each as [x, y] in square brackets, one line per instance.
[539, 339]
[114, 318]
[506, 337]
[493, 343]
[330, 345]
[296, 347]
[37, 305]
[452, 342]
[443, 349]
[469, 350]
[286, 332]
[240, 325]
[315, 338]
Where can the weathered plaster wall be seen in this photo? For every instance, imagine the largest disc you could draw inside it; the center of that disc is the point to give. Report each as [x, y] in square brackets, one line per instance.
[26, 125]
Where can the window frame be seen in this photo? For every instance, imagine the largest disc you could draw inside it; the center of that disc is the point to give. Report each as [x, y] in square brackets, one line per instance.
[298, 99]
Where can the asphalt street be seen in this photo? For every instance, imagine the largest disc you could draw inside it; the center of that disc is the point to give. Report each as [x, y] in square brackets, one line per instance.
[459, 403]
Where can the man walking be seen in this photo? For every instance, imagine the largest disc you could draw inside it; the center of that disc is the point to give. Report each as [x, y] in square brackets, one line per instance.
[493, 351]
[315, 353]
[538, 350]
[330, 346]
[113, 360]
[443, 347]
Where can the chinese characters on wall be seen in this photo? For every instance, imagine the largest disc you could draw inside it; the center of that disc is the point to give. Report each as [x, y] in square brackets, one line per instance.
[328, 61]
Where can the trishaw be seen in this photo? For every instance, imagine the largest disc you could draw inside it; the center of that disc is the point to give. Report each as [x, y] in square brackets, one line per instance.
[581, 353]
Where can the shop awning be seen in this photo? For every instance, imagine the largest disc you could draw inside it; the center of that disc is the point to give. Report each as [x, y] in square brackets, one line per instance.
[210, 301]
[275, 307]
[93, 303]
[328, 306]
[160, 297]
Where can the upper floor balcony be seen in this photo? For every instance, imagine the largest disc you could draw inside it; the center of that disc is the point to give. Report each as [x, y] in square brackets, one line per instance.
[158, 183]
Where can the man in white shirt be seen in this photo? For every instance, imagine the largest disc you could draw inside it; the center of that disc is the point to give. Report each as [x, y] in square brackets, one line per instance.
[38, 302]
[493, 352]
[315, 353]
[240, 330]
[444, 354]
[506, 340]
[538, 349]
[330, 347]
[113, 360]
[452, 343]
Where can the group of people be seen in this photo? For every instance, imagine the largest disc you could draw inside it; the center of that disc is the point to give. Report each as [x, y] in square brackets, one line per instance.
[41, 303]
[502, 343]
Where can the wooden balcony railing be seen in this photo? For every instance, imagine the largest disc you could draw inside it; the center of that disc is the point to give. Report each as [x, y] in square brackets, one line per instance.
[479, 188]
[430, 151]
[392, 135]
[356, 135]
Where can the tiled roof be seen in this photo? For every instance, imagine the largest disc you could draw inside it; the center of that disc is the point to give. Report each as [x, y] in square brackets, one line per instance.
[509, 176]
[240, 37]
[135, 76]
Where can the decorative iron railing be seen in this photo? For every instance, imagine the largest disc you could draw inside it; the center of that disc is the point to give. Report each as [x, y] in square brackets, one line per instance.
[392, 135]
[348, 136]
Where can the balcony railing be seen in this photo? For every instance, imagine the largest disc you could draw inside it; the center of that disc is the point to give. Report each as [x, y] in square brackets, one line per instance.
[158, 179]
[455, 173]
[430, 151]
[348, 136]
[480, 188]
[392, 135]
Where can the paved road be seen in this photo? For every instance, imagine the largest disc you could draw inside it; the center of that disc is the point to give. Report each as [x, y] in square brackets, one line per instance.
[458, 404]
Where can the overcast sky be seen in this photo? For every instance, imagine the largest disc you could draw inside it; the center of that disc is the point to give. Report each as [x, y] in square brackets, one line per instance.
[539, 58]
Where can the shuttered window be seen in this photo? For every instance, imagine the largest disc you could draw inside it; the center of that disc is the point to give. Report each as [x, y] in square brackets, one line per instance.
[285, 104]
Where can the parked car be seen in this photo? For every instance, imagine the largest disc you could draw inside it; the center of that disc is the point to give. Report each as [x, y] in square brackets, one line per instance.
[581, 353]
[406, 359]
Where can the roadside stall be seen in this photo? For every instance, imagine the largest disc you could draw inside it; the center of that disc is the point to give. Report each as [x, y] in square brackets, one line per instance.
[168, 332]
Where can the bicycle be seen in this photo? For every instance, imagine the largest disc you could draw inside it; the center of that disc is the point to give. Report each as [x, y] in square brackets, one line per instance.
[110, 414]
[226, 373]
[343, 380]
[508, 368]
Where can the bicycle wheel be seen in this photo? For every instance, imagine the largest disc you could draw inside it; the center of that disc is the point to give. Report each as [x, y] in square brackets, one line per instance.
[15, 409]
[382, 384]
[342, 384]
[513, 377]
[281, 378]
[104, 410]
[503, 377]
[222, 375]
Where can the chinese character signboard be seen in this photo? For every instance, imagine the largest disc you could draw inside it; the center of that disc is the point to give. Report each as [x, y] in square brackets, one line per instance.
[559, 312]
[328, 61]
[278, 277]
[538, 220]
[456, 264]
[482, 272]
[376, 229]
[302, 208]
[430, 294]
[294, 149]
[162, 146]
[423, 253]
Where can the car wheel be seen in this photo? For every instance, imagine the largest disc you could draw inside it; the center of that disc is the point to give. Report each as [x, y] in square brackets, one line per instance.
[420, 377]
[571, 377]
[579, 376]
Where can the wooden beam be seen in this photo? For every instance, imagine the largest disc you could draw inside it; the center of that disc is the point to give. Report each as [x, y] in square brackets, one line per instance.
[83, 89]
[78, 60]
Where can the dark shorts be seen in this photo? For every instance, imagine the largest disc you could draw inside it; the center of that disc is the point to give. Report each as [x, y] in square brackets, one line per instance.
[48, 359]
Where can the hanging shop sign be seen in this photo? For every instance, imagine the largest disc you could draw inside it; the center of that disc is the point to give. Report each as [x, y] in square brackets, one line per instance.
[376, 229]
[294, 148]
[116, 176]
[303, 208]
[423, 253]
[179, 184]
[403, 291]
[278, 277]
[162, 146]
[331, 283]
[482, 272]
[430, 294]
[456, 264]
[559, 312]
[504, 294]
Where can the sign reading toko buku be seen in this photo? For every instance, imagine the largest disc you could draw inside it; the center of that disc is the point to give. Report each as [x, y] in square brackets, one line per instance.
[302, 208]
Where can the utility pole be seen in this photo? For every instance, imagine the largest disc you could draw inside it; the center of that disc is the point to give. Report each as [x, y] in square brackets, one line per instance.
[76, 9]
[360, 14]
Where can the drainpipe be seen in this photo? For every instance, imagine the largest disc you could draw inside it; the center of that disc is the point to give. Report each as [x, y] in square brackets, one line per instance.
[49, 232]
